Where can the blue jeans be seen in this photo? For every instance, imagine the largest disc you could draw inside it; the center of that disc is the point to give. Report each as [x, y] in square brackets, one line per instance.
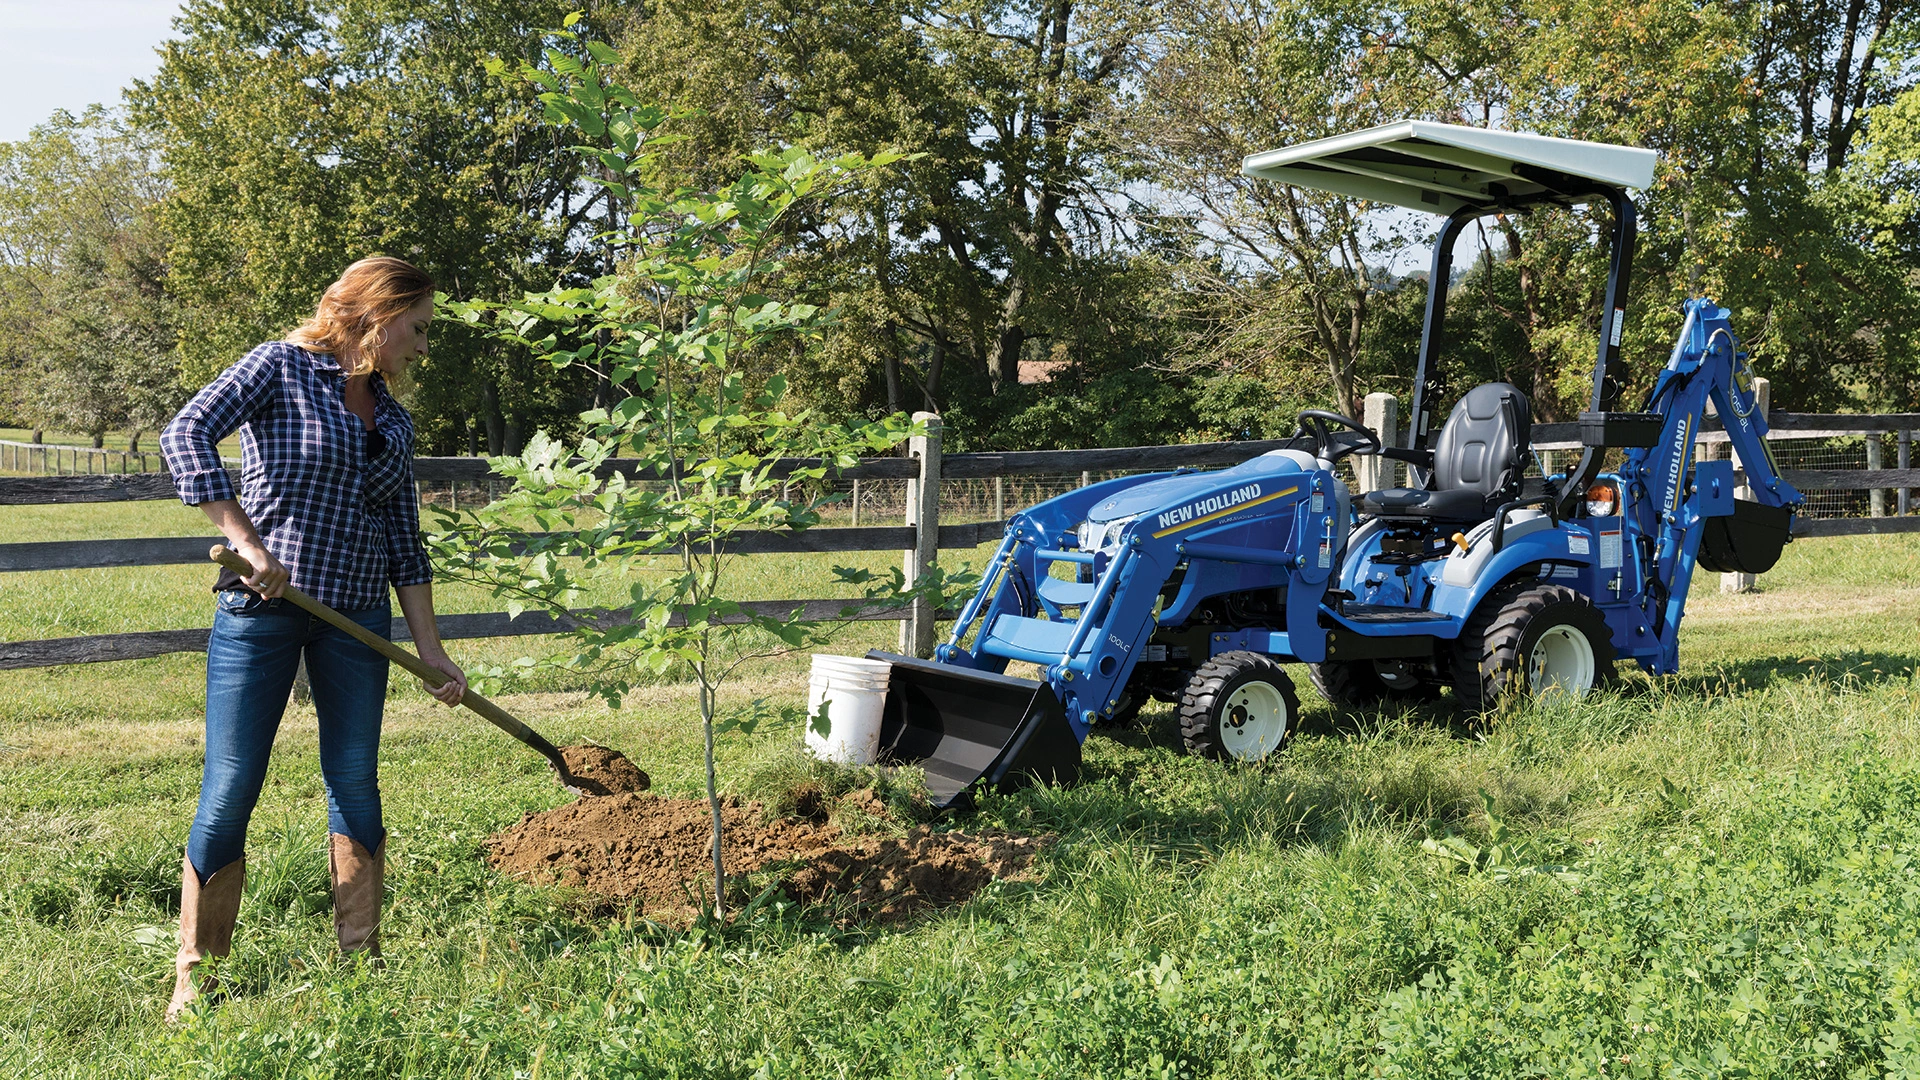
[251, 660]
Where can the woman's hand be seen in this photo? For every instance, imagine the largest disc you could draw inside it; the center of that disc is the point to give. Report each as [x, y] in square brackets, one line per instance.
[455, 687]
[269, 577]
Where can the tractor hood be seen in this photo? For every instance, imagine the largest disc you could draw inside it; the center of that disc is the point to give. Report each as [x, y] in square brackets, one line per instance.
[1195, 493]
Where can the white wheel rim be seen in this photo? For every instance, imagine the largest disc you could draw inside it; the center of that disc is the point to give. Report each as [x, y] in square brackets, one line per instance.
[1253, 721]
[1561, 664]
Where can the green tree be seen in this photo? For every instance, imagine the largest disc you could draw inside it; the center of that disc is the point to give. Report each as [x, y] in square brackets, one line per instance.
[1291, 275]
[1757, 111]
[86, 324]
[300, 135]
[1004, 239]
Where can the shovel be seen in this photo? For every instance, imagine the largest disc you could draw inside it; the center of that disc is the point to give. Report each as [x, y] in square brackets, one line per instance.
[432, 676]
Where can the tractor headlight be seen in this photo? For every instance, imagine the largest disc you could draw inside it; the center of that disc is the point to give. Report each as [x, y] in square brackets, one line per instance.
[1603, 500]
[1100, 535]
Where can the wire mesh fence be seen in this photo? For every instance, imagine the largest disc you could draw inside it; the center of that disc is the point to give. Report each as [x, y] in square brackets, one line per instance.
[863, 502]
[1839, 453]
[884, 502]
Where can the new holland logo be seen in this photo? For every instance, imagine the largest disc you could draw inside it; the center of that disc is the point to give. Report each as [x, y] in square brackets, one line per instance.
[1677, 467]
[1214, 507]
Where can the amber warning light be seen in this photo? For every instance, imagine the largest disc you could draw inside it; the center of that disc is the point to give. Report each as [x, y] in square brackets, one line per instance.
[1603, 500]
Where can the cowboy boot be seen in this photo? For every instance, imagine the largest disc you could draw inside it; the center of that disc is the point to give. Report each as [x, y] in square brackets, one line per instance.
[358, 878]
[207, 912]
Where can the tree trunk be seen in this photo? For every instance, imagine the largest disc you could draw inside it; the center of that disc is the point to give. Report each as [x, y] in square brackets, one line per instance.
[934, 365]
[99, 438]
[1541, 389]
[39, 435]
[515, 437]
[496, 424]
[133, 441]
[1003, 358]
[713, 807]
[892, 367]
[603, 396]
[473, 436]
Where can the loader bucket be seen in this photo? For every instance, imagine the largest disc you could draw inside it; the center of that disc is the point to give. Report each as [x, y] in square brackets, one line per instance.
[965, 727]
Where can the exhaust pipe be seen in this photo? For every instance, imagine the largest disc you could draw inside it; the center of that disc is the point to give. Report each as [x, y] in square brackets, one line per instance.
[969, 727]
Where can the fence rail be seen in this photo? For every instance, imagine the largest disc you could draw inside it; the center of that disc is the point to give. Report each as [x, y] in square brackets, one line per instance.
[924, 473]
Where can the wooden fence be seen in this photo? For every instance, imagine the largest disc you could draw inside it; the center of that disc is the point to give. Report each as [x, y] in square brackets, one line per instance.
[62, 459]
[919, 537]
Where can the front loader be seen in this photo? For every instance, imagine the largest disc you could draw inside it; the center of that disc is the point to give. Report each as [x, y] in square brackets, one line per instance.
[1197, 587]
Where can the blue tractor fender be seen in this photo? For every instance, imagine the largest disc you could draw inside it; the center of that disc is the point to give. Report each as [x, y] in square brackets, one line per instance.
[1530, 538]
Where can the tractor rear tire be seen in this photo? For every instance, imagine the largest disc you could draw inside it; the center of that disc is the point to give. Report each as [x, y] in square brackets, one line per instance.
[1359, 683]
[1532, 639]
[1352, 683]
[1240, 706]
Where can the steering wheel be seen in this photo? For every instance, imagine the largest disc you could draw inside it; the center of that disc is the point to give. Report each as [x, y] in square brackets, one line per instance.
[1333, 445]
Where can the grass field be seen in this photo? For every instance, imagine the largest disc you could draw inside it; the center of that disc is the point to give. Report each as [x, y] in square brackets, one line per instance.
[1707, 875]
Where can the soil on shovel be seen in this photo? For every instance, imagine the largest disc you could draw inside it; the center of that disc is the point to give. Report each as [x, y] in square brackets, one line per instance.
[654, 853]
[600, 771]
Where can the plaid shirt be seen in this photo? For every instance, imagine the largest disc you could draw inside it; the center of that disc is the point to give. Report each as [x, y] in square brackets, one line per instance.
[343, 516]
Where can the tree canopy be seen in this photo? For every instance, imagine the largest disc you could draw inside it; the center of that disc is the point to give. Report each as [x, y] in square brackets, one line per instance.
[1066, 253]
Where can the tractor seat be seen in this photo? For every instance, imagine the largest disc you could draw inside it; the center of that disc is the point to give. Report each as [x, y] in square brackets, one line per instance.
[1478, 461]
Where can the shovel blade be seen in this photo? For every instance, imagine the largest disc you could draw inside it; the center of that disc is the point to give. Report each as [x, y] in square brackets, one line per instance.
[970, 727]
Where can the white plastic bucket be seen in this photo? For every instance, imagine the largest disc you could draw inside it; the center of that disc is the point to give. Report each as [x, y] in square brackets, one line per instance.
[854, 691]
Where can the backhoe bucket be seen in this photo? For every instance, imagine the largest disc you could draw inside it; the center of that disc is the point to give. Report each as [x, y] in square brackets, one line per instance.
[965, 727]
[1747, 541]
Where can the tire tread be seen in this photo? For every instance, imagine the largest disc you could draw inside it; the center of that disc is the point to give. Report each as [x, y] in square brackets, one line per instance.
[1214, 678]
[1487, 654]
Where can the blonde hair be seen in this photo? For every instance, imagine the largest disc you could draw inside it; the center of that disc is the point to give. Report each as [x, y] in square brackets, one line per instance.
[354, 311]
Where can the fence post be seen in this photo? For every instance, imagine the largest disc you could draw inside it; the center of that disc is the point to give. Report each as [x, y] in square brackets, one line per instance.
[923, 516]
[856, 504]
[1382, 415]
[1876, 497]
[1735, 581]
[999, 498]
[1903, 456]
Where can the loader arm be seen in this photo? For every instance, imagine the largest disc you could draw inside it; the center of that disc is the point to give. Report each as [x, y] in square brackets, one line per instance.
[1143, 552]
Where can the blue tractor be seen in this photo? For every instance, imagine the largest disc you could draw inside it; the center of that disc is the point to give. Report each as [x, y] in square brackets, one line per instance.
[1198, 588]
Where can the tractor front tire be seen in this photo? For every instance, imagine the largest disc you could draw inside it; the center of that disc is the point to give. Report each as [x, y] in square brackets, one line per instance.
[1132, 700]
[1240, 706]
[1532, 639]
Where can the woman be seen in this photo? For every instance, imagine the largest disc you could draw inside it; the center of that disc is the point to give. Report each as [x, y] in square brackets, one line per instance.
[326, 505]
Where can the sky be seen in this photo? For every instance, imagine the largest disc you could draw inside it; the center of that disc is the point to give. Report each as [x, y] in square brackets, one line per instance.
[68, 54]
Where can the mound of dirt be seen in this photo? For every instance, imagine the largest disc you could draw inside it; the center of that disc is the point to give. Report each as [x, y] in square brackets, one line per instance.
[887, 879]
[599, 771]
[646, 849]
[655, 853]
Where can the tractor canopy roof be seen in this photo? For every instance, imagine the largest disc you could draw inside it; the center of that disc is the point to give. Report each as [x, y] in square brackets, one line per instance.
[1444, 168]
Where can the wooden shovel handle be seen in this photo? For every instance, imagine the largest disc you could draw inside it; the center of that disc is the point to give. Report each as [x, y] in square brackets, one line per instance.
[432, 676]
